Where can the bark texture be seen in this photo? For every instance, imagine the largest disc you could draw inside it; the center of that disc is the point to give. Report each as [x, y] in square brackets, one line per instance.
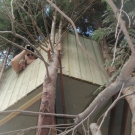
[53, 28]
[48, 97]
[110, 69]
[131, 101]
[94, 129]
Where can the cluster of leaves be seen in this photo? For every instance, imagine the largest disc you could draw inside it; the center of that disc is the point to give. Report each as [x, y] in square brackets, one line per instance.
[107, 31]
[109, 23]
[92, 19]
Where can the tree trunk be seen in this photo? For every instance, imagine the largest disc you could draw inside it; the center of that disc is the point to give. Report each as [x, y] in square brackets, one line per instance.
[110, 69]
[49, 86]
[59, 35]
[94, 129]
[131, 101]
[48, 98]
[53, 28]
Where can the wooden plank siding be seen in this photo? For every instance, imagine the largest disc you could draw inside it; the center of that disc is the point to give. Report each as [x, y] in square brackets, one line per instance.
[84, 63]
[100, 59]
[74, 67]
[95, 72]
[6, 86]
[64, 56]
[14, 87]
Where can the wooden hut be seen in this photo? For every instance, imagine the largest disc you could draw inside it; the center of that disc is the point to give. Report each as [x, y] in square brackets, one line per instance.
[23, 91]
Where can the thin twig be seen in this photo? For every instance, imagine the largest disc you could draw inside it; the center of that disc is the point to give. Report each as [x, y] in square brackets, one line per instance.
[37, 113]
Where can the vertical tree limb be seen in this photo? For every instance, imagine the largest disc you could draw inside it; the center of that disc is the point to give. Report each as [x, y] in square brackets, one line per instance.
[131, 101]
[53, 30]
[49, 86]
[48, 97]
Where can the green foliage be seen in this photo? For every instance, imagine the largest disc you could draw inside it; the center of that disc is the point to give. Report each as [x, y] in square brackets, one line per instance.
[4, 23]
[110, 18]
[132, 32]
[65, 5]
[108, 28]
[102, 33]
[132, 14]
[123, 43]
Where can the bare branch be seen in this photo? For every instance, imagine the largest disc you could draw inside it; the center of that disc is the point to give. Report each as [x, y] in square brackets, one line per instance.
[37, 113]
[45, 24]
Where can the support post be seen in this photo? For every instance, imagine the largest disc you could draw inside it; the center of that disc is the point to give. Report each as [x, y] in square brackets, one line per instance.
[62, 87]
[112, 117]
[124, 118]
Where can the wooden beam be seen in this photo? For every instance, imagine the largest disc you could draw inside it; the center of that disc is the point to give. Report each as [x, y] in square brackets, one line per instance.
[124, 118]
[112, 117]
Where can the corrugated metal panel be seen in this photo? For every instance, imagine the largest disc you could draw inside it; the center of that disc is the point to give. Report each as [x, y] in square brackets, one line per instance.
[83, 61]
[75, 62]
[94, 70]
[65, 56]
[99, 57]
[74, 68]
[14, 87]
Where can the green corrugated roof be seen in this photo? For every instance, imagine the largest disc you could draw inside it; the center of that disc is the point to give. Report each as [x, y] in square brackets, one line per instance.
[14, 87]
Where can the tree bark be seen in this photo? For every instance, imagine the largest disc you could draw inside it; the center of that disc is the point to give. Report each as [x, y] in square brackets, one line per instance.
[49, 86]
[94, 129]
[48, 97]
[59, 35]
[131, 101]
[110, 69]
[53, 28]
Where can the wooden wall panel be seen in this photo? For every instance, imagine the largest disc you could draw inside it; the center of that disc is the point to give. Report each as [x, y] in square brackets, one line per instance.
[100, 59]
[74, 67]
[65, 57]
[14, 97]
[4, 79]
[75, 63]
[95, 72]
[33, 76]
[9, 92]
[25, 81]
[83, 62]
[42, 71]
[5, 87]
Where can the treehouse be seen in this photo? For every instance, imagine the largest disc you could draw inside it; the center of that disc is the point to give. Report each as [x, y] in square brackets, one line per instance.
[80, 76]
